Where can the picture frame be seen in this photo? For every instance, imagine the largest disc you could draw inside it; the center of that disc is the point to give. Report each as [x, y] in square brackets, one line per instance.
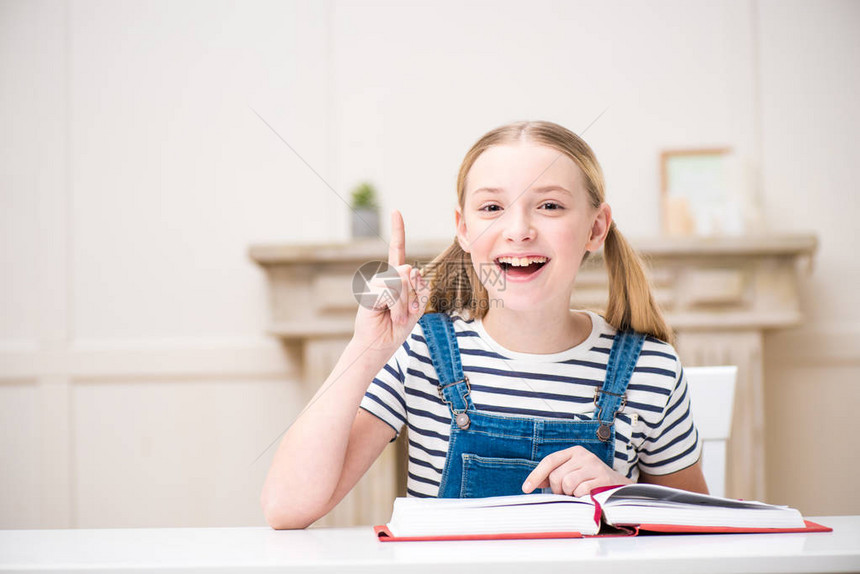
[697, 194]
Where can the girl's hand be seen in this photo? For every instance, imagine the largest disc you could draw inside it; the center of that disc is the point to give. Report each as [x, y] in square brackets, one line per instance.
[385, 327]
[573, 471]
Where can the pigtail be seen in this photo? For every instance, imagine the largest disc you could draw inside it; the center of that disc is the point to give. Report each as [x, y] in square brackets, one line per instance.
[454, 286]
[631, 303]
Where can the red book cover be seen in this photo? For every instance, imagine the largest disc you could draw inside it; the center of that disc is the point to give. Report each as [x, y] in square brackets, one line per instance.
[385, 535]
[676, 529]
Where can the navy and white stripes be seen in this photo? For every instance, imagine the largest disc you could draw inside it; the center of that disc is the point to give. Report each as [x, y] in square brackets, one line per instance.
[654, 432]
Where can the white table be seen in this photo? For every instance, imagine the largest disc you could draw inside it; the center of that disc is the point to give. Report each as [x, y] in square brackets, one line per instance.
[195, 550]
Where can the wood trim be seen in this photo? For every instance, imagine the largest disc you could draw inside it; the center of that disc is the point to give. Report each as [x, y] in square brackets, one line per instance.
[104, 360]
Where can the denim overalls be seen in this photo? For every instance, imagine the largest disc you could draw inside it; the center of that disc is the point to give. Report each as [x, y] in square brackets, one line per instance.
[490, 454]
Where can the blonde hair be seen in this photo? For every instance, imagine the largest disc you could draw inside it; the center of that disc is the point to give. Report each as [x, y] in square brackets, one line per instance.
[455, 287]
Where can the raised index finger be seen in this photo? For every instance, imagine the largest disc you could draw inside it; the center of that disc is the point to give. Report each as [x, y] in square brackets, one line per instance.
[397, 245]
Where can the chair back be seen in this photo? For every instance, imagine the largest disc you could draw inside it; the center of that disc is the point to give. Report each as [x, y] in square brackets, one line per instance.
[712, 394]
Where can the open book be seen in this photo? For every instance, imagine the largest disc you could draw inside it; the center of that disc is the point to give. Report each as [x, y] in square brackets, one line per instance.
[622, 510]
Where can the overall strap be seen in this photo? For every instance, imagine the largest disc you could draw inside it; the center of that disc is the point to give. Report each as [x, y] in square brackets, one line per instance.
[445, 354]
[612, 396]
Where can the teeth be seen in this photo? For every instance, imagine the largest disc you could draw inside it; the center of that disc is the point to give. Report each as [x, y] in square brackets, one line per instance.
[521, 261]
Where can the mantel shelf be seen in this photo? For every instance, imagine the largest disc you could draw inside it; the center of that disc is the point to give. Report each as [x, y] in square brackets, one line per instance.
[803, 245]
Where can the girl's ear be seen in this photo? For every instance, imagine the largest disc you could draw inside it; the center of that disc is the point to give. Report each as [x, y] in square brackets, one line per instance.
[462, 236]
[600, 227]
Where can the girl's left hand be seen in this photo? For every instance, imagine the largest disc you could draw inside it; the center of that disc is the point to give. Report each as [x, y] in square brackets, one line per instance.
[573, 471]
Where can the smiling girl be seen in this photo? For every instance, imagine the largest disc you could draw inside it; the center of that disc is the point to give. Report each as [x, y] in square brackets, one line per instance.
[503, 387]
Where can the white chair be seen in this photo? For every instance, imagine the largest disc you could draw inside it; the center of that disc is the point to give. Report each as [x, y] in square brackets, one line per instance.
[712, 393]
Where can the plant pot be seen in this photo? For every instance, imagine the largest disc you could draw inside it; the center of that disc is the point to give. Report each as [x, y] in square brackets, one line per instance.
[365, 222]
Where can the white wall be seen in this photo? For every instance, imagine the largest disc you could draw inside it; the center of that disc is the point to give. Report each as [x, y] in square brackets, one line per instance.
[810, 57]
[136, 383]
[414, 86]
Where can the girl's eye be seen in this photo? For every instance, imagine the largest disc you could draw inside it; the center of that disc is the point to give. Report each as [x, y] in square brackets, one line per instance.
[551, 206]
[491, 207]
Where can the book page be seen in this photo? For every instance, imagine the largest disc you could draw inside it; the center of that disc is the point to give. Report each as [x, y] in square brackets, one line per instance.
[526, 513]
[652, 504]
[664, 494]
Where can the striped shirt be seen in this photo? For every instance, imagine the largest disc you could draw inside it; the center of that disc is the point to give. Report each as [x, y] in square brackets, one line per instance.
[654, 431]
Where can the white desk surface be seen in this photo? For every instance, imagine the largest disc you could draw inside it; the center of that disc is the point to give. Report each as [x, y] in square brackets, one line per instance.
[194, 550]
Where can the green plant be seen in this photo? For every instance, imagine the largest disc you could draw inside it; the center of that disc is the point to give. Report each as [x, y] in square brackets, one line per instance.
[364, 196]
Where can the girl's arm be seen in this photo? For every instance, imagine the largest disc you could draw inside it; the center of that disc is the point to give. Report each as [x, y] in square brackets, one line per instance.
[361, 454]
[328, 448]
[333, 443]
[690, 478]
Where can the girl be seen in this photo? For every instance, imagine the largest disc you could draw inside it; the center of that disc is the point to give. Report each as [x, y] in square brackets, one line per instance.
[503, 387]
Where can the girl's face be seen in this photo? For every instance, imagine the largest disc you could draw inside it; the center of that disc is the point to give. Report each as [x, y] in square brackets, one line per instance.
[527, 223]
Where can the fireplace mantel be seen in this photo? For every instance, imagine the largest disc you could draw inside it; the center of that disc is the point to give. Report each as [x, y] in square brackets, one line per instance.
[719, 294]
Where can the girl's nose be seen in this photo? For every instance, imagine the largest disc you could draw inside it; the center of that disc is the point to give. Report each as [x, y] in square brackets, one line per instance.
[518, 226]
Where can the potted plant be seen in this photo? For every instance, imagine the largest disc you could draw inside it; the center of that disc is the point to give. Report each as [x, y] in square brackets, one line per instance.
[365, 211]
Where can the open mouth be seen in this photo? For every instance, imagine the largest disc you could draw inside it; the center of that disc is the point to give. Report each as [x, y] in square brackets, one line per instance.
[514, 267]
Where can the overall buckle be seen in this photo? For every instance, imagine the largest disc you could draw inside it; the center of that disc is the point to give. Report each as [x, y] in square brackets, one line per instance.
[604, 432]
[460, 417]
[597, 398]
[465, 379]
